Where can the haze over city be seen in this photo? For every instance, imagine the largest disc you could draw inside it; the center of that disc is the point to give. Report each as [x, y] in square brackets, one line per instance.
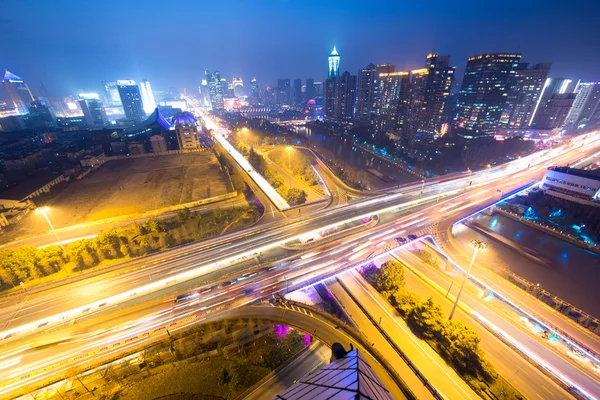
[72, 46]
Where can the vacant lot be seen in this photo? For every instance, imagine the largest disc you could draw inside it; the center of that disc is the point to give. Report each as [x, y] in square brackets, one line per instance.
[131, 186]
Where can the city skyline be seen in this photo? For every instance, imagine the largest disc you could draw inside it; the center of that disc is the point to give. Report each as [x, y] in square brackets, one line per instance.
[133, 54]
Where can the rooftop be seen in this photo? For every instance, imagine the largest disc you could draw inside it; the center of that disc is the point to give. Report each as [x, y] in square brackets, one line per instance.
[350, 377]
[582, 173]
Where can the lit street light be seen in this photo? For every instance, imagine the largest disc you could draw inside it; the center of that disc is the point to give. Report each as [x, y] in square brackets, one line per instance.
[43, 211]
[289, 149]
[479, 245]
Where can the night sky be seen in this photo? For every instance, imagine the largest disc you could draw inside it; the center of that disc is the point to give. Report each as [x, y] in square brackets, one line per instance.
[74, 45]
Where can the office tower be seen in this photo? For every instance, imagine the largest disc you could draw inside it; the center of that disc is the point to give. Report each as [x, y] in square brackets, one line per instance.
[310, 89]
[586, 106]
[204, 94]
[92, 108]
[367, 90]
[344, 96]
[437, 93]
[334, 64]
[111, 92]
[297, 91]
[318, 89]
[329, 97]
[186, 131]
[238, 87]
[560, 86]
[254, 91]
[417, 107]
[527, 89]
[392, 101]
[215, 89]
[131, 99]
[147, 97]
[483, 96]
[19, 92]
[553, 110]
[284, 91]
[40, 115]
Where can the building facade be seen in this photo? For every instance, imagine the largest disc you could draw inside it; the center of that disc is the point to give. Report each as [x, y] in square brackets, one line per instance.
[186, 131]
[484, 94]
[572, 184]
[254, 92]
[147, 96]
[158, 144]
[586, 107]
[344, 96]
[19, 92]
[216, 89]
[131, 99]
[111, 92]
[93, 110]
[310, 89]
[553, 110]
[334, 64]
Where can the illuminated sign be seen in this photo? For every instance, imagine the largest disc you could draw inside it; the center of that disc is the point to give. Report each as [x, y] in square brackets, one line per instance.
[126, 83]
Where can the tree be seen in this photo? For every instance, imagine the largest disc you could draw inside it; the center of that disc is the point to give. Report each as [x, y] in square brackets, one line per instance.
[184, 215]
[154, 225]
[277, 181]
[296, 196]
[427, 318]
[461, 343]
[390, 276]
[270, 173]
[242, 147]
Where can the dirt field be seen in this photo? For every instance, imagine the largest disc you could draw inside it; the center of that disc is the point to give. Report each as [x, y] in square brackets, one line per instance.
[130, 186]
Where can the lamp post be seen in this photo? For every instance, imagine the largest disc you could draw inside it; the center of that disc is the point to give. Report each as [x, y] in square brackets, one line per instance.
[43, 211]
[479, 245]
[289, 149]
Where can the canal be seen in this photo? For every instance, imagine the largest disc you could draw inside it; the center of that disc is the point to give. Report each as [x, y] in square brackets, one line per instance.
[565, 270]
[343, 148]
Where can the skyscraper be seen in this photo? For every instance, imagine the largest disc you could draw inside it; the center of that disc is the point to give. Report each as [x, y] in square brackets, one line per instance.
[40, 115]
[483, 96]
[186, 131]
[394, 90]
[367, 90]
[147, 97]
[283, 93]
[238, 87]
[529, 84]
[131, 99]
[437, 93]
[417, 107]
[334, 64]
[297, 91]
[215, 89]
[586, 107]
[310, 89]
[111, 92]
[553, 110]
[204, 94]
[329, 97]
[254, 92]
[344, 96]
[19, 92]
[93, 112]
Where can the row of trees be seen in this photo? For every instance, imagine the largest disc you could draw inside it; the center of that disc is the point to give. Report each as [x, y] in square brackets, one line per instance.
[300, 167]
[27, 263]
[455, 341]
[293, 196]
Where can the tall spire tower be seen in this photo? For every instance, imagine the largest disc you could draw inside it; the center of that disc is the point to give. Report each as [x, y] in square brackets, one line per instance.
[334, 64]
[19, 92]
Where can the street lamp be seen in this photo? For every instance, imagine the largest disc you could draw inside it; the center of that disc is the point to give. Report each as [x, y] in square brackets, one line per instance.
[289, 149]
[43, 211]
[479, 245]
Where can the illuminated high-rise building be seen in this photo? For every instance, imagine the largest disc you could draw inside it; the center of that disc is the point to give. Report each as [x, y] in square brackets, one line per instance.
[216, 89]
[283, 92]
[254, 91]
[186, 130]
[392, 102]
[527, 88]
[92, 108]
[19, 92]
[111, 92]
[237, 85]
[131, 99]
[344, 96]
[310, 89]
[334, 64]
[204, 94]
[483, 96]
[586, 107]
[367, 90]
[147, 96]
[297, 95]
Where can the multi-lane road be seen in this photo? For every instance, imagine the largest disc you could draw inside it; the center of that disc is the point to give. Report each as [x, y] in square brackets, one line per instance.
[235, 268]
